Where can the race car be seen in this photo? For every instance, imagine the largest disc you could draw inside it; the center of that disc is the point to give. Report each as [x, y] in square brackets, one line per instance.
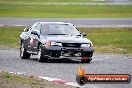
[55, 39]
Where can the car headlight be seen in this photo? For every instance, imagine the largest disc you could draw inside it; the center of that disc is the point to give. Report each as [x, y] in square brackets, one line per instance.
[56, 43]
[87, 45]
[49, 43]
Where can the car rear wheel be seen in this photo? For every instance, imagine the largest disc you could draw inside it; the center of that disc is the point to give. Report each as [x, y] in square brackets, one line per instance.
[23, 53]
[86, 59]
[41, 57]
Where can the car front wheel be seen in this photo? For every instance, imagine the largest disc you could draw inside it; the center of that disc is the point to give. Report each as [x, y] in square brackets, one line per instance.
[41, 57]
[23, 53]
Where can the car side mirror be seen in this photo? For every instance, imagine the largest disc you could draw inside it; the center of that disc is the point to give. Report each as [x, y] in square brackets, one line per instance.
[35, 33]
[26, 29]
[84, 34]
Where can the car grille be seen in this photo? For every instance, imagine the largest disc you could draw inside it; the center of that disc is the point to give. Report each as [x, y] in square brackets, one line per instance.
[71, 44]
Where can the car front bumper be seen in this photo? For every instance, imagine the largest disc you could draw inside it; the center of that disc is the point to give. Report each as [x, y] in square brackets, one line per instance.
[57, 51]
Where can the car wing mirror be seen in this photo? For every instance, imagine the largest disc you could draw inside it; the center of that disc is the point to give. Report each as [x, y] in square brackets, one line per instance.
[26, 29]
[84, 34]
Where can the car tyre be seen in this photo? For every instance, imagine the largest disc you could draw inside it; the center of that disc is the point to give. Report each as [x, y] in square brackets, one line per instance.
[41, 57]
[23, 53]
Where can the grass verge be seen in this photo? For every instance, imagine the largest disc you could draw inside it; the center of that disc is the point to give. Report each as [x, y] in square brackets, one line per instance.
[8, 80]
[9, 36]
[52, 1]
[15, 8]
[105, 40]
[111, 40]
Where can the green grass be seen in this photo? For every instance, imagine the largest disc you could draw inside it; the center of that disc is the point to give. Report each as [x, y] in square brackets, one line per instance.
[16, 78]
[105, 40]
[51, 1]
[9, 36]
[111, 40]
[28, 8]
[8, 80]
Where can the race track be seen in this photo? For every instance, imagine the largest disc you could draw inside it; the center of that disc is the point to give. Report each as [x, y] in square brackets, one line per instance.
[79, 22]
[66, 69]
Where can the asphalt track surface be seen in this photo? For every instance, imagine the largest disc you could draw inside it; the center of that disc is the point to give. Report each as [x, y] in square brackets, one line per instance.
[79, 22]
[66, 69]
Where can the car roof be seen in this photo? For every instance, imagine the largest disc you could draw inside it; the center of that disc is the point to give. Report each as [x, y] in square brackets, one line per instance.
[54, 23]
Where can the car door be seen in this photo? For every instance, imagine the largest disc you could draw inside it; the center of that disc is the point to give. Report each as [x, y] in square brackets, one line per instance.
[30, 41]
[33, 39]
[33, 43]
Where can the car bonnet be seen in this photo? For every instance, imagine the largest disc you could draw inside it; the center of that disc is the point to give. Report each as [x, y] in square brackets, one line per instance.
[67, 39]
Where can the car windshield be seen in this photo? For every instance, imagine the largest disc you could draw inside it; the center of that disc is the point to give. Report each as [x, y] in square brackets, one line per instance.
[58, 29]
